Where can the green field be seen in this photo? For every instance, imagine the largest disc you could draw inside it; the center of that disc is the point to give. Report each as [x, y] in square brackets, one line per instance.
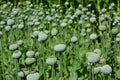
[60, 40]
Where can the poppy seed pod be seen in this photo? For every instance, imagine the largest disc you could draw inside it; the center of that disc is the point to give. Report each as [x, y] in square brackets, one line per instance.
[33, 76]
[98, 51]
[74, 39]
[10, 22]
[54, 31]
[22, 73]
[42, 36]
[51, 60]
[118, 35]
[117, 39]
[1, 33]
[16, 54]
[29, 60]
[114, 30]
[96, 70]
[36, 33]
[13, 47]
[7, 28]
[102, 61]
[66, 3]
[21, 26]
[106, 69]
[93, 36]
[92, 57]
[60, 47]
[102, 28]
[20, 42]
[92, 19]
[30, 53]
[63, 24]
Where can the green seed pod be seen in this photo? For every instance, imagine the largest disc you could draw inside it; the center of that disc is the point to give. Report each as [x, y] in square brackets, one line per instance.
[93, 36]
[60, 47]
[21, 26]
[98, 51]
[92, 57]
[96, 70]
[118, 35]
[20, 42]
[63, 24]
[114, 30]
[106, 69]
[102, 60]
[1, 33]
[10, 22]
[30, 53]
[74, 39]
[7, 28]
[16, 54]
[23, 73]
[54, 31]
[33, 76]
[117, 39]
[30, 60]
[102, 28]
[92, 19]
[42, 36]
[13, 47]
[51, 60]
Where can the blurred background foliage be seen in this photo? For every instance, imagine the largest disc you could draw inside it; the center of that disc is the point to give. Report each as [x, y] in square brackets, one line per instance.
[97, 5]
[75, 3]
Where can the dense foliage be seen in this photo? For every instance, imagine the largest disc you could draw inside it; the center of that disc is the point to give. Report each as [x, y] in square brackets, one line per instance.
[59, 40]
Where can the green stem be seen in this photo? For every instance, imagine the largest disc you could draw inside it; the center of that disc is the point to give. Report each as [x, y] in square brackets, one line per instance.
[91, 72]
[98, 8]
[118, 6]
[61, 65]
[53, 72]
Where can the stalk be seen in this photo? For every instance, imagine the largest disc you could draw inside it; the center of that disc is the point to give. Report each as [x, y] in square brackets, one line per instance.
[91, 71]
[43, 58]
[98, 8]
[53, 72]
[61, 67]
[118, 6]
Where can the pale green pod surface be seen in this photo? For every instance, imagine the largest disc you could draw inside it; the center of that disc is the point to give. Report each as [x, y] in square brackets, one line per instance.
[92, 57]
[13, 47]
[1, 33]
[16, 54]
[54, 31]
[21, 74]
[30, 60]
[33, 76]
[114, 30]
[93, 36]
[98, 51]
[102, 28]
[42, 36]
[30, 53]
[96, 70]
[20, 42]
[51, 60]
[74, 39]
[10, 22]
[60, 47]
[106, 69]
[63, 24]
